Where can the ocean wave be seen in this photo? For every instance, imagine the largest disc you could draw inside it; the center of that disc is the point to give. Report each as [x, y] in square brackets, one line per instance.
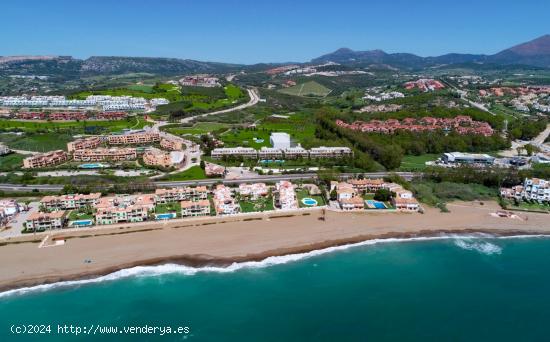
[482, 247]
[463, 241]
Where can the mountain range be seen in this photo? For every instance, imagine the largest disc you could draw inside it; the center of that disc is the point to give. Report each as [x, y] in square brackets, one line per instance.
[533, 53]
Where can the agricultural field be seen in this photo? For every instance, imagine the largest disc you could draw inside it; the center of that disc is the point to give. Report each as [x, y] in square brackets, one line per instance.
[307, 89]
[74, 126]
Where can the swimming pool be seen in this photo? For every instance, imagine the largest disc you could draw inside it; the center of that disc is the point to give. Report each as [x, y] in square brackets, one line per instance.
[165, 216]
[376, 204]
[81, 223]
[309, 201]
[92, 166]
[268, 161]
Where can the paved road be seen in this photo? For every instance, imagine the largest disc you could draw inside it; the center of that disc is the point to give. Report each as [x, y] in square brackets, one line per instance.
[272, 178]
[254, 98]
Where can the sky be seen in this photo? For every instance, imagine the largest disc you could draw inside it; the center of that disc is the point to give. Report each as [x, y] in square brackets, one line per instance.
[258, 31]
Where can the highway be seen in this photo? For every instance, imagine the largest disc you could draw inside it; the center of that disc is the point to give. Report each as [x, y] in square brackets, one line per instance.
[161, 184]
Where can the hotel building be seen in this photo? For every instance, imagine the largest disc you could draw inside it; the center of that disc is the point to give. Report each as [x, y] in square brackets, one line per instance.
[84, 143]
[224, 203]
[100, 154]
[163, 196]
[64, 202]
[44, 221]
[195, 208]
[45, 159]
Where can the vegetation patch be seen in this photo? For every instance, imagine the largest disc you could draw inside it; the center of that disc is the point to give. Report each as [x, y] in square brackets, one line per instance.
[307, 89]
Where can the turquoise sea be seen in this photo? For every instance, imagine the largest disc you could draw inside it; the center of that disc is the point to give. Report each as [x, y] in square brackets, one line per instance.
[455, 289]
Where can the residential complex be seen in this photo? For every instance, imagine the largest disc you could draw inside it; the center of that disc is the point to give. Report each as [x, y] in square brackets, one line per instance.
[45, 159]
[101, 154]
[103, 102]
[172, 143]
[83, 143]
[193, 194]
[532, 189]
[195, 208]
[200, 81]
[156, 157]
[285, 195]
[117, 209]
[275, 153]
[133, 138]
[253, 191]
[65, 202]
[459, 124]
[224, 203]
[40, 221]
[424, 84]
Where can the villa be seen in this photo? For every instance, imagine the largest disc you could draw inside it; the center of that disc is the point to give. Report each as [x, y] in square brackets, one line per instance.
[285, 195]
[45, 159]
[163, 196]
[347, 196]
[100, 154]
[84, 143]
[253, 191]
[44, 221]
[64, 202]
[224, 203]
[195, 208]
[404, 201]
[367, 185]
[213, 170]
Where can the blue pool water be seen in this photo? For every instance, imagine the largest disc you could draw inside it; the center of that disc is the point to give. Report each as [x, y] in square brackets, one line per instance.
[92, 166]
[376, 204]
[82, 223]
[267, 161]
[166, 216]
[309, 201]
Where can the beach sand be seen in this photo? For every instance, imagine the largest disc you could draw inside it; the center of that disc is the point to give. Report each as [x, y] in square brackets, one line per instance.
[221, 241]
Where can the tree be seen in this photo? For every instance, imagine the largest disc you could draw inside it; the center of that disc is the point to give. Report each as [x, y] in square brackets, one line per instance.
[333, 195]
[382, 195]
[202, 164]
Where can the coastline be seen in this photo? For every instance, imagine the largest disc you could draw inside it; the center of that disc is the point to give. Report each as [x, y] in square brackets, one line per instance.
[223, 241]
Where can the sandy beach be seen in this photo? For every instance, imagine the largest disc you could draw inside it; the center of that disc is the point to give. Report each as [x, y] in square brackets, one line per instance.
[221, 241]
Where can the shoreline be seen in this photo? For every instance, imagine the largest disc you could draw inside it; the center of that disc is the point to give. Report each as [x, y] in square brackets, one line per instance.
[222, 243]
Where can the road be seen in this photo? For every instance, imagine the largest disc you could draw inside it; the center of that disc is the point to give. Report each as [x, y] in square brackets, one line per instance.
[160, 184]
[254, 98]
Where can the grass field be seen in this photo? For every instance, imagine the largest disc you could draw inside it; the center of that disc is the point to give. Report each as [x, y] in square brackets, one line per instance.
[307, 89]
[194, 172]
[262, 204]
[11, 162]
[300, 127]
[37, 142]
[303, 193]
[198, 128]
[417, 163]
[75, 126]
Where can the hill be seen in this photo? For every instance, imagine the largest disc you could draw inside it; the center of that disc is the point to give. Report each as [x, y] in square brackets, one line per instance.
[533, 53]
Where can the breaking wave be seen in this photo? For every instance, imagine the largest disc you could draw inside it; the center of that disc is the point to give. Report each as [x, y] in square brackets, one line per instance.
[463, 241]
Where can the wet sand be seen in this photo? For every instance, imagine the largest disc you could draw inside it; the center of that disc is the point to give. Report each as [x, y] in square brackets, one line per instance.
[222, 241]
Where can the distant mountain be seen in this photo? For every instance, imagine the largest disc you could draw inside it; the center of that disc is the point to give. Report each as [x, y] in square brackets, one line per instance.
[68, 67]
[533, 53]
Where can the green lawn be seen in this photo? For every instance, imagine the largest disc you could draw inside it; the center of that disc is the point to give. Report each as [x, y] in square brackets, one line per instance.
[76, 215]
[306, 89]
[168, 208]
[303, 193]
[262, 204]
[417, 163]
[195, 172]
[11, 162]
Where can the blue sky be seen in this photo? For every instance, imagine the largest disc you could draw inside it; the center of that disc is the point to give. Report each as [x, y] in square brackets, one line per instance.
[266, 31]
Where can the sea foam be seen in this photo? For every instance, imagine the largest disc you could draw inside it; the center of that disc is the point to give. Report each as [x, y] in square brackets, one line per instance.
[463, 241]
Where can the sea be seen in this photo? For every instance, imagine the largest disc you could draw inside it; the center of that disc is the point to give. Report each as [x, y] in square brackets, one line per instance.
[450, 288]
